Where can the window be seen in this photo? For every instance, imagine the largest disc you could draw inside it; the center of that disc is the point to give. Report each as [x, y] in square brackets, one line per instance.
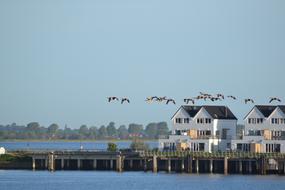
[277, 121]
[203, 120]
[272, 147]
[178, 120]
[208, 120]
[200, 120]
[186, 120]
[208, 133]
[250, 132]
[249, 120]
[282, 121]
[239, 147]
[259, 120]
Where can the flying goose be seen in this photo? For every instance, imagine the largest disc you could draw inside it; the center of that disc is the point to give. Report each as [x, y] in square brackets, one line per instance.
[215, 99]
[221, 96]
[233, 97]
[274, 99]
[187, 100]
[248, 100]
[170, 100]
[149, 99]
[199, 97]
[111, 98]
[125, 99]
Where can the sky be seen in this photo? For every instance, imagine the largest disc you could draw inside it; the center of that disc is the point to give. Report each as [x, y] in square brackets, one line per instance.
[60, 59]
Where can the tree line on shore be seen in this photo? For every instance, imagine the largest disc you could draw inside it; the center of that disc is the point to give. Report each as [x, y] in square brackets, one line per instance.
[35, 131]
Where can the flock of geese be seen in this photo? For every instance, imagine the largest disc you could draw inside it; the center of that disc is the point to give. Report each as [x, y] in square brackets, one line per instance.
[201, 96]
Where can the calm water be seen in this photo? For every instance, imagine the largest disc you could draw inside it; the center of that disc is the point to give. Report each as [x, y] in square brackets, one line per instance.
[74, 180]
[59, 145]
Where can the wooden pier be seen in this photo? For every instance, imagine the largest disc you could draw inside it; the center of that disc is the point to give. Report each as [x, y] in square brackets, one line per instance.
[187, 162]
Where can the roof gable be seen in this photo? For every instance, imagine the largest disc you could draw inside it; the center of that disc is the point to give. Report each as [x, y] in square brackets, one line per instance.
[277, 113]
[267, 110]
[216, 112]
[180, 113]
[254, 113]
[202, 113]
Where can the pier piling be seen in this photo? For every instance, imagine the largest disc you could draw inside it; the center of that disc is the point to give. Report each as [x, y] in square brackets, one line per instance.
[154, 165]
[169, 165]
[211, 166]
[225, 165]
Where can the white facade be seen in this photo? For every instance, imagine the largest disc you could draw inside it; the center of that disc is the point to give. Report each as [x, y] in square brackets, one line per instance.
[265, 128]
[201, 130]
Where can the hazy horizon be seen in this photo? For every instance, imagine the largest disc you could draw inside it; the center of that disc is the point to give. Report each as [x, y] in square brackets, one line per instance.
[60, 59]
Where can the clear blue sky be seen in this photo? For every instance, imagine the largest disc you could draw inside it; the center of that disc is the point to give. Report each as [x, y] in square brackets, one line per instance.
[60, 59]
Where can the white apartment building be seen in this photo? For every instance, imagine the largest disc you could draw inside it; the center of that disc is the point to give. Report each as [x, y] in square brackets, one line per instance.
[201, 128]
[264, 130]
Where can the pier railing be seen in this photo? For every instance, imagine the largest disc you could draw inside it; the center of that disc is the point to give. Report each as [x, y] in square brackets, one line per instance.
[212, 155]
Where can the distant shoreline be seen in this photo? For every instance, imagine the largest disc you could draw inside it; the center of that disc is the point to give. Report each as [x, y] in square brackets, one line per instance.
[60, 140]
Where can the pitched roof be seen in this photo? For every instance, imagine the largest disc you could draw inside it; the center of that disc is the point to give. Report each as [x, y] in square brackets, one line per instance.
[216, 112]
[267, 110]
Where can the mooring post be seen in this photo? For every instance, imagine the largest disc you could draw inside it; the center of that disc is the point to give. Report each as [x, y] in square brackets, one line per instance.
[249, 167]
[141, 163]
[51, 161]
[78, 164]
[169, 165]
[34, 164]
[257, 166]
[182, 164]
[145, 164]
[119, 163]
[211, 166]
[42, 163]
[131, 164]
[62, 163]
[283, 167]
[94, 164]
[111, 164]
[46, 163]
[197, 165]
[225, 165]
[189, 164]
[175, 165]
[264, 163]
[154, 165]
[240, 166]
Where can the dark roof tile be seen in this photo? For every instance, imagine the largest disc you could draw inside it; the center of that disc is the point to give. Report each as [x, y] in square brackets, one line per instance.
[217, 112]
[267, 110]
